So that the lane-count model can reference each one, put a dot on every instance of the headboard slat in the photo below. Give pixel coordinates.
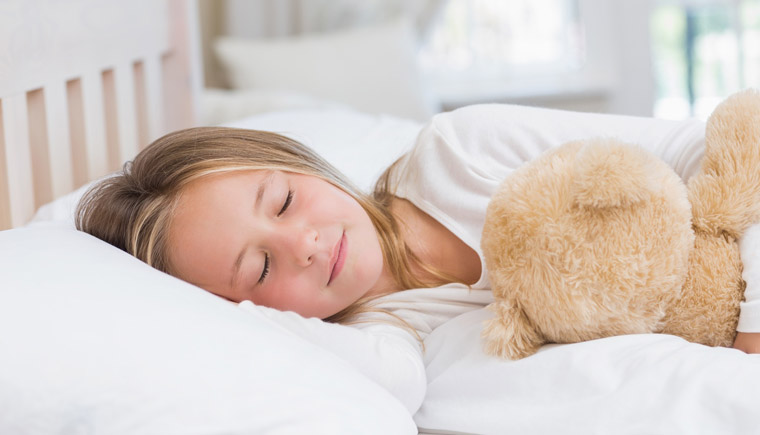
(18, 159)
(38, 144)
(5, 201)
(126, 111)
(154, 103)
(58, 140)
(140, 104)
(177, 78)
(94, 125)
(77, 137)
(111, 118)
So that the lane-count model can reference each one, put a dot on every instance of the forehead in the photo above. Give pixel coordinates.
(211, 198)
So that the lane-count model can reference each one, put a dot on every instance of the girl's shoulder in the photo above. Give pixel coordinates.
(494, 138)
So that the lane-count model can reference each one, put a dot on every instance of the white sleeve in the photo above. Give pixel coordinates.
(749, 245)
(501, 136)
(385, 353)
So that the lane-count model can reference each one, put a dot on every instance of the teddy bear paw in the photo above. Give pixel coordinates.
(510, 334)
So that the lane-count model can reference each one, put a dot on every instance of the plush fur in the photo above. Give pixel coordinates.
(599, 238)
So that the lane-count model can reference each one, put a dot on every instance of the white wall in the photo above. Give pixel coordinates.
(633, 88)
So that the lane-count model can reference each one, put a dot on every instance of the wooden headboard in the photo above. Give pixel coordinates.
(85, 84)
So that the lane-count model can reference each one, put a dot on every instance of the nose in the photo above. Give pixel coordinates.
(301, 244)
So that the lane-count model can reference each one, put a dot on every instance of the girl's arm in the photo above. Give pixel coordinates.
(748, 342)
(387, 354)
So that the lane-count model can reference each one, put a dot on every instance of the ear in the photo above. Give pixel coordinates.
(612, 174)
(510, 334)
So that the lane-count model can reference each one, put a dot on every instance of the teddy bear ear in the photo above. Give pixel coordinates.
(510, 334)
(609, 173)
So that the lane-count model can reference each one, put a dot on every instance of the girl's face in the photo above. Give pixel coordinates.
(283, 240)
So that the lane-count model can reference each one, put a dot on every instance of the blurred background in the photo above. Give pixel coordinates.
(671, 59)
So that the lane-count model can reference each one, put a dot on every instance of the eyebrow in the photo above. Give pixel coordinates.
(265, 183)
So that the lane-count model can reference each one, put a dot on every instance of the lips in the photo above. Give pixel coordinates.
(338, 257)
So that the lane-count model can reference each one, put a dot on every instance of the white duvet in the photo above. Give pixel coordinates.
(636, 384)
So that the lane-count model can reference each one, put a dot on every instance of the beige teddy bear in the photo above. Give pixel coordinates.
(598, 238)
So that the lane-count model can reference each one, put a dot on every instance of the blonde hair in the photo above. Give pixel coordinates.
(133, 209)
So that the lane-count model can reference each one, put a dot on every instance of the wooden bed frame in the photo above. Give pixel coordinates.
(84, 85)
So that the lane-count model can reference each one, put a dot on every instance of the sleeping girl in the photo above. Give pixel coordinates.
(255, 216)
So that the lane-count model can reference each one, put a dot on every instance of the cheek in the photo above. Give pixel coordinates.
(369, 262)
(291, 294)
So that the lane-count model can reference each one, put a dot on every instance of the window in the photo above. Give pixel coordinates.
(485, 44)
(495, 38)
(702, 52)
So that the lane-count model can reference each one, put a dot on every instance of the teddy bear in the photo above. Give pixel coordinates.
(599, 238)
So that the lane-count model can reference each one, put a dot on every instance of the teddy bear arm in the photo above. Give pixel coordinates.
(707, 311)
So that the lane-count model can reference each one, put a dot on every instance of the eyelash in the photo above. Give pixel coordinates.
(288, 200)
(264, 272)
(285, 206)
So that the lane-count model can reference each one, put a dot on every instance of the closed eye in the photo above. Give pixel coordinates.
(285, 206)
(264, 272)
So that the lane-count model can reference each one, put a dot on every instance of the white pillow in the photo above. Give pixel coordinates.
(633, 384)
(60, 212)
(94, 341)
(226, 105)
(372, 69)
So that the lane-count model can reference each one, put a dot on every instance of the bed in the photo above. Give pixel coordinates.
(94, 341)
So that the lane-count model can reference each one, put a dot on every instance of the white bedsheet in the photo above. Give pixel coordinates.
(636, 384)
